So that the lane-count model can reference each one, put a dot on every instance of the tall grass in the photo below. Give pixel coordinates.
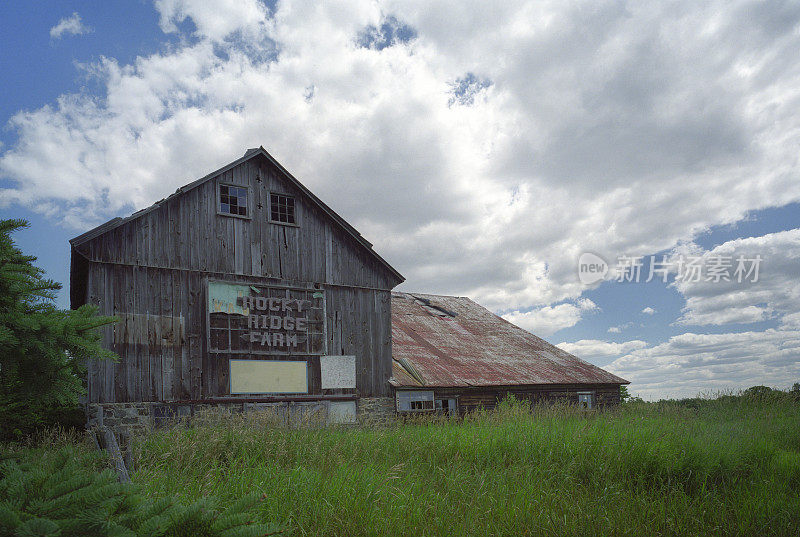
(729, 466)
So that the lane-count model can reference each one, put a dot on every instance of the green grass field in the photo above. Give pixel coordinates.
(729, 466)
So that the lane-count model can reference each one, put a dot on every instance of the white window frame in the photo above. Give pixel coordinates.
(591, 403)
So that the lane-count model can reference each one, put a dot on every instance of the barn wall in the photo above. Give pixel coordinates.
(152, 273)
(487, 398)
(162, 344)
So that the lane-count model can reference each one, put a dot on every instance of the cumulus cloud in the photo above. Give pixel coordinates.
(72, 25)
(548, 320)
(594, 350)
(648, 311)
(766, 287)
(481, 147)
(791, 321)
(689, 364)
(214, 20)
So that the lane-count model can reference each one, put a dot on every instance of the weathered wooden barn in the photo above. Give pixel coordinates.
(450, 354)
(244, 290)
(240, 289)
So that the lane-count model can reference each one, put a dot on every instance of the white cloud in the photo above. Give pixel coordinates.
(593, 349)
(593, 126)
(215, 20)
(71, 25)
(775, 293)
(547, 320)
(648, 311)
(619, 328)
(791, 321)
(689, 364)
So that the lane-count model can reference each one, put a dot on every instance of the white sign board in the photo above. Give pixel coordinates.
(268, 376)
(338, 372)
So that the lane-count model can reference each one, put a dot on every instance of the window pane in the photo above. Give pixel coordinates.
(233, 200)
(282, 208)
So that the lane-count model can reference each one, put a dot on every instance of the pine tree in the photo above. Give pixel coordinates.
(42, 349)
(63, 494)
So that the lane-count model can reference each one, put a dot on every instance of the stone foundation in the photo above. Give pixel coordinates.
(131, 419)
(376, 410)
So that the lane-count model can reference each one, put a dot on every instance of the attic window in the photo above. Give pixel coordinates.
(233, 200)
(281, 209)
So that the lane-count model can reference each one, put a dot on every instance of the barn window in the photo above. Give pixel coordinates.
(447, 406)
(415, 401)
(586, 400)
(233, 200)
(281, 209)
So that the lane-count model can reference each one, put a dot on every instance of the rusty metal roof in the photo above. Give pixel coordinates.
(448, 341)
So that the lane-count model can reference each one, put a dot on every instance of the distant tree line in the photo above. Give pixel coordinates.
(754, 392)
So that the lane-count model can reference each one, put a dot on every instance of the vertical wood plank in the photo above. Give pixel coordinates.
(184, 391)
(167, 334)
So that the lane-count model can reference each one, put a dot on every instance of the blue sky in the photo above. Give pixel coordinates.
(44, 68)
(622, 303)
(481, 148)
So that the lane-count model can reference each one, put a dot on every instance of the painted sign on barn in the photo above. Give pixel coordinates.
(265, 320)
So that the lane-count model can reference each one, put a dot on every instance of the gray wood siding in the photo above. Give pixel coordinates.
(152, 272)
(186, 232)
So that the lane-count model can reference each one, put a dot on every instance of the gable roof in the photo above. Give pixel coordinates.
(249, 154)
(447, 341)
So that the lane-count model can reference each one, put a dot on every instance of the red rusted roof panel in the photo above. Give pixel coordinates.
(477, 348)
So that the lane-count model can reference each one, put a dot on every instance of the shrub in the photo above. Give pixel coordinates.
(66, 492)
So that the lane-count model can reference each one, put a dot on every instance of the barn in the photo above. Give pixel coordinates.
(243, 290)
(450, 354)
(240, 290)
